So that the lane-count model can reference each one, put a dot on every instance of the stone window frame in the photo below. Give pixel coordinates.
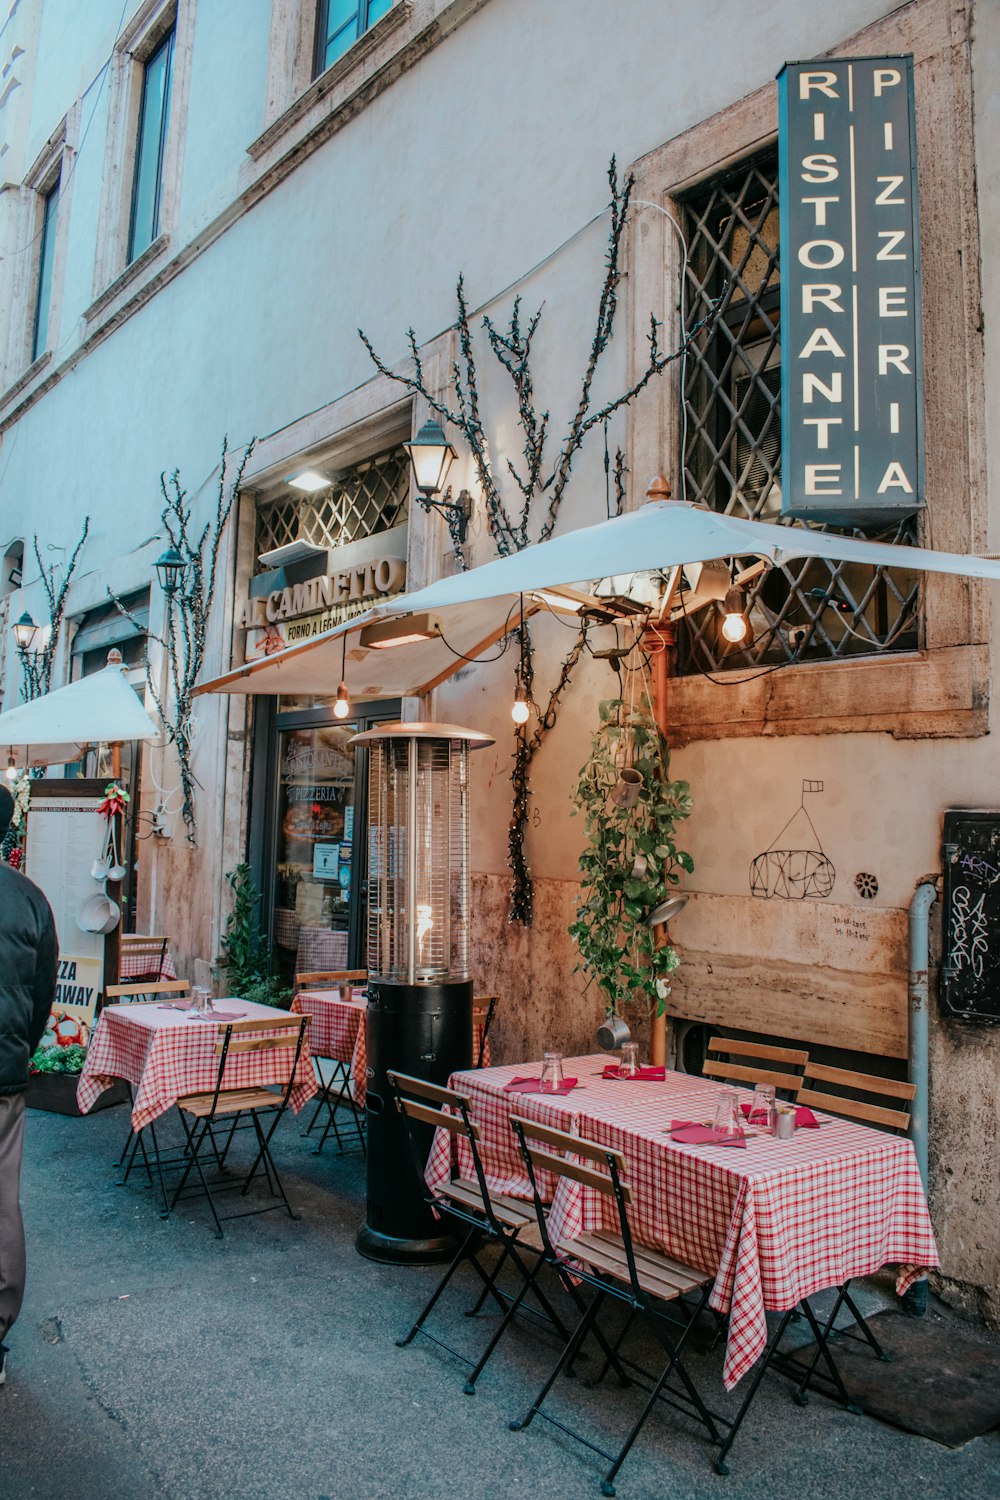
(54, 165)
(302, 111)
(114, 275)
(943, 689)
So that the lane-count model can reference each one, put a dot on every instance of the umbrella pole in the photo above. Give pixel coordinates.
(661, 642)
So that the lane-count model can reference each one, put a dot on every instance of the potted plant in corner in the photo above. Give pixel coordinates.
(631, 861)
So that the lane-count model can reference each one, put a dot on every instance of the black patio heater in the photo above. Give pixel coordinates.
(419, 1017)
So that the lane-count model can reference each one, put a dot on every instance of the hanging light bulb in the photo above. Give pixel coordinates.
(736, 626)
(11, 771)
(342, 702)
(519, 709)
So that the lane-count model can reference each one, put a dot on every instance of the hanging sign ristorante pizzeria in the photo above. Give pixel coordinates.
(851, 378)
(284, 607)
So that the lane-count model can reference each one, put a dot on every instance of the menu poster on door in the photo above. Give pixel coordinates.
(64, 837)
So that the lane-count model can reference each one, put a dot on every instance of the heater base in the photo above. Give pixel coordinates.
(392, 1250)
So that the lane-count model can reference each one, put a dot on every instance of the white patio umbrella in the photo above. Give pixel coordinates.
(475, 609)
(58, 727)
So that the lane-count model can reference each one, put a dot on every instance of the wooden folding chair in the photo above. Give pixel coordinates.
(881, 1103)
(143, 992)
(283, 1034)
(328, 979)
(138, 947)
(336, 1090)
(497, 1217)
(750, 1063)
(139, 990)
(483, 1007)
(645, 1280)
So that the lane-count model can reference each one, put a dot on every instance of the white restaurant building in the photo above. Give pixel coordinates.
(201, 201)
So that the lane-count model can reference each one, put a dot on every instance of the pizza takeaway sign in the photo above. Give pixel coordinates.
(851, 377)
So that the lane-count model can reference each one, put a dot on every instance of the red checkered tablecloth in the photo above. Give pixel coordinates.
(776, 1222)
(130, 965)
(164, 1055)
(338, 1031)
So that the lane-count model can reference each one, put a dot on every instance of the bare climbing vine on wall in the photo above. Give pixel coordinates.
(36, 666)
(188, 610)
(536, 487)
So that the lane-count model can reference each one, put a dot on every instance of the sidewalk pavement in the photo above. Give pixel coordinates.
(153, 1360)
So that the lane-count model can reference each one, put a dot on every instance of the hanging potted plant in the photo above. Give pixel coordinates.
(631, 861)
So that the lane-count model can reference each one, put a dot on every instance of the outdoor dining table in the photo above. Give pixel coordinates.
(136, 966)
(337, 1031)
(776, 1221)
(165, 1054)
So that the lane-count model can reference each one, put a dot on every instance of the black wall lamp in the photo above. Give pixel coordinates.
(432, 456)
(170, 567)
(25, 631)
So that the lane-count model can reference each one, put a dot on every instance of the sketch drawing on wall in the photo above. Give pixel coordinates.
(798, 870)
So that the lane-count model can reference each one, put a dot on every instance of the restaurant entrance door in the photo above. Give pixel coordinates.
(308, 849)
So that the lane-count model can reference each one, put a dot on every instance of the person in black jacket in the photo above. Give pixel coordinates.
(28, 951)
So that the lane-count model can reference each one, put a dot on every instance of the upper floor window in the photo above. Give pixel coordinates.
(339, 23)
(808, 609)
(154, 115)
(46, 258)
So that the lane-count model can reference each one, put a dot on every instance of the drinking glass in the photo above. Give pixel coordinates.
(628, 1065)
(762, 1110)
(552, 1072)
(727, 1113)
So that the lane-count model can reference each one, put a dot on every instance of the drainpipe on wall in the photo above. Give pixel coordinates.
(924, 898)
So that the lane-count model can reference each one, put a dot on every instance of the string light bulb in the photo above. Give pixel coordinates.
(342, 702)
(519, 709)
(11, 771)
(735, 626)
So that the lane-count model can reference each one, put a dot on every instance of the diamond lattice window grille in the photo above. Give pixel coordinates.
(368, 498)
(810, 609)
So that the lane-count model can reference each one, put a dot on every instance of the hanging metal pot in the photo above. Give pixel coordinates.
(625, 792)
(613, 1033)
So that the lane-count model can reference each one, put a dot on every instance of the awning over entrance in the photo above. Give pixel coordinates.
(477, 608)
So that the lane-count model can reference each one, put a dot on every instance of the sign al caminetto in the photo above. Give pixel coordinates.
(295, 611)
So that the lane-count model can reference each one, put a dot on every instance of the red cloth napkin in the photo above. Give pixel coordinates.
(176, 1005)
(691, 1134)
(649, 1072)
(225, 1014)
(803, 1116)
(534, 1086)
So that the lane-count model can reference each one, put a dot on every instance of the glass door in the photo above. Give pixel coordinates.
(311, 853)
(314, 847)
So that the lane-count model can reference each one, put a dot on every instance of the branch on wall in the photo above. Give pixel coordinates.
(539, 483)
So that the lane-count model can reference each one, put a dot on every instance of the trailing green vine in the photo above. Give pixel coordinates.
(631, 861)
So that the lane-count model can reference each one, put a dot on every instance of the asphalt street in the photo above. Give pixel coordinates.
(153, 1360)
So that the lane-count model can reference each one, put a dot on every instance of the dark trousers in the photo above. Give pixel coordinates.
(11, 1224)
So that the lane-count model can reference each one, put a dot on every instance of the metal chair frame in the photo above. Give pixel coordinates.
(341, 1075)
(285, 1032)
(483, 1007)
(600, 1168)
(499, 1219)
(134, 942)
(142, 992)
(887, 1115)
